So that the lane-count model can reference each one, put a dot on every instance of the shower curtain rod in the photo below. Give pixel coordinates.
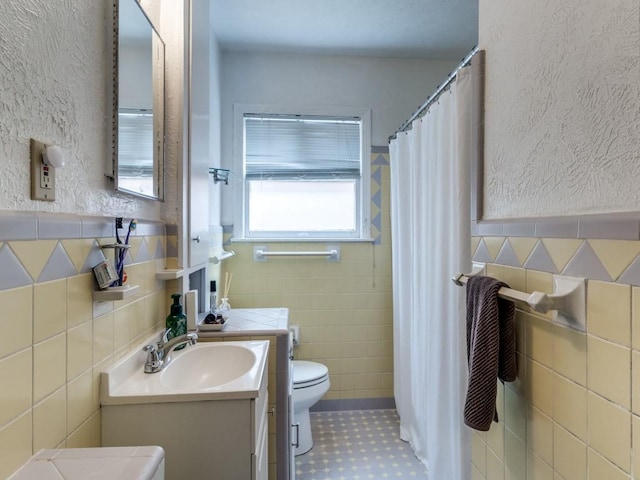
(450, 78)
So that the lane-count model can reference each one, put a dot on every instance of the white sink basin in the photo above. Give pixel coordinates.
(205, 371)
(205, 367)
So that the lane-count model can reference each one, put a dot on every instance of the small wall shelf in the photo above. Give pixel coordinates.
(170, 274)
(221, 257)
(115, 293)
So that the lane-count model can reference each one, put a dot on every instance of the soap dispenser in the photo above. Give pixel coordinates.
(177, 320)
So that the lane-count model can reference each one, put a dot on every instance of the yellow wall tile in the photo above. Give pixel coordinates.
(570, 406)
(610, 431)
(50, 420)
(49, 309)
(15, 444)
(635, 382)
(540, 387)
(538, 469)
(515, 456)
(16, 321)
(540, 434)
(80, 400)
(79, 349)
(15, 378)
(635, 424)
(609, 311)
(600, 467)
(609, 367)
(539, 339)
(495, 466)
(102, 338)
(569, 455)
(570, 354)
(49, 366)
(515, 413)
(635, 317)
(79, 299)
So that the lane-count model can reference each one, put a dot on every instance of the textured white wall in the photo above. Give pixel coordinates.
(55, 73)
(562, 106)
(392, 88)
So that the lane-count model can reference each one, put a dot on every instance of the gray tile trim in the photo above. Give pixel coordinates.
(379, 148)
(171, 229)
(18, 226)
(52, 226)
(57, 227)
(354, 404)
(605, 226)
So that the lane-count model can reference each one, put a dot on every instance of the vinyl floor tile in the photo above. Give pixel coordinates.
(358, 445)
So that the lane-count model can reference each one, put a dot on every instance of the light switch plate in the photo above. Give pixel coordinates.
(43, 177)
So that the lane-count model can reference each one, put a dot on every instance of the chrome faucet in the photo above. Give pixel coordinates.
(159, 355)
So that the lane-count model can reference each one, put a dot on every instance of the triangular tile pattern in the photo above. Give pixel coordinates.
(376, 175)
(541, 260)
(493, 244)
(561, 250)
(159, 251)
(585, 263)
(376, 199)
(13, 274)
(143, 253)
(482, 254)
(507, 256)
(381, 159)
(33, 255)
(59, 266)
(615, 255)
(95, 256)
(522, 247)
(78, 250)
(631, 276)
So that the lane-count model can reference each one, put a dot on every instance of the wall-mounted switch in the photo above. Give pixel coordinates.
(43, 176)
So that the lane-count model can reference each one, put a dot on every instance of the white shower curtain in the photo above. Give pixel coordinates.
(430, 219)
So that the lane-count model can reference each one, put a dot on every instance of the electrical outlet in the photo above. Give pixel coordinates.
(43, 177)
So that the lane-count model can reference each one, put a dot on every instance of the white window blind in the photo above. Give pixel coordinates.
(304, 147)
(135, 142)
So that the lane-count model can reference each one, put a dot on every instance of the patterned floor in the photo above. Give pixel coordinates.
(358, 445)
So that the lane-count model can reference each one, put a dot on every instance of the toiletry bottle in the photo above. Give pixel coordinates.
(213, 299)
(176, 321)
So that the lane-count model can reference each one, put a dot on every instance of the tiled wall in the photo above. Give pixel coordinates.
(54, 339)
(343, 309)
(573, 411)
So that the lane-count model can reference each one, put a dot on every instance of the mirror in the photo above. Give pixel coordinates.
(138, 103)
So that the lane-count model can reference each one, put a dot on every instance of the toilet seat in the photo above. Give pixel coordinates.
(307, 374)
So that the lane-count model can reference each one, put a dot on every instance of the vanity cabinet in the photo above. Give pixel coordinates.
(215, 439)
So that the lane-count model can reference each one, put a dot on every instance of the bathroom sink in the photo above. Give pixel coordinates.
(207, 367)
(205, 371)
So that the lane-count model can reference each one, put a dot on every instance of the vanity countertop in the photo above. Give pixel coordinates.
(251, 321)
(136, 463)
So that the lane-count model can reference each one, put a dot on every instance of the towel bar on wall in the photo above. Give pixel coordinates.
(261, 253)
(568, 300)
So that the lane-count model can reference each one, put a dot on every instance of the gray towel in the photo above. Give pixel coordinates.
(491, 349)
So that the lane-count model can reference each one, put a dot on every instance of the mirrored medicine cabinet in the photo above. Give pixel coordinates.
(138, 102)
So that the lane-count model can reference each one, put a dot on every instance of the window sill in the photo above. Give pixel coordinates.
(301, 240)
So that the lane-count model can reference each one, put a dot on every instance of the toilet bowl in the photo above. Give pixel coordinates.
(310, 383)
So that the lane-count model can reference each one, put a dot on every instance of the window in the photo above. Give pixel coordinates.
(302, 175)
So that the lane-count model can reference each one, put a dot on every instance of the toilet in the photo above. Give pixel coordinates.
(310, 383)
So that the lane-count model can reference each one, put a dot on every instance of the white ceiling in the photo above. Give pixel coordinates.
(436, 29)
